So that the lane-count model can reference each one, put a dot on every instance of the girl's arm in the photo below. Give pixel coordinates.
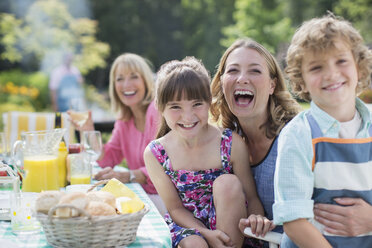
(242, 169)
(240, 162)
(305, 234)
(172, 201)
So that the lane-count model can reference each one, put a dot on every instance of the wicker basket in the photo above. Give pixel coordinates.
(90, 231)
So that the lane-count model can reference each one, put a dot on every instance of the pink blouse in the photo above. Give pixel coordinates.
(129, 143)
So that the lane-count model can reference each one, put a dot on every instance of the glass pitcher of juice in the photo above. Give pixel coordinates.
(36, 154)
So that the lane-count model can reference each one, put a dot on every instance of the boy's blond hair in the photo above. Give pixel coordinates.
(319, 35)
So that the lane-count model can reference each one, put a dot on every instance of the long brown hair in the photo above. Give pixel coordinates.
(281, 106)
(181, 79)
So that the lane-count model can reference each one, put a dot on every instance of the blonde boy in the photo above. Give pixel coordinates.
(325, 152)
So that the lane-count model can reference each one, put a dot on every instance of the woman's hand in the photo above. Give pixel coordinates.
(353, 218)
(259, 225)
(87, 126)
(108, 173)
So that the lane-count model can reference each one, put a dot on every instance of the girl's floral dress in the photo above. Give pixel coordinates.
(194, 188)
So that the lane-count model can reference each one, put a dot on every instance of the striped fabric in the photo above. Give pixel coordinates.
(342, 168)
(17, 122)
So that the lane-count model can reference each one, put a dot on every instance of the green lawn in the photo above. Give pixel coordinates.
(304, 105)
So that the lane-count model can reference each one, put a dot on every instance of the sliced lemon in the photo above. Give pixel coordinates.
(118, 189)
(128, 205)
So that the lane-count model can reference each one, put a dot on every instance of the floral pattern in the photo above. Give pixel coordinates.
(194, 188)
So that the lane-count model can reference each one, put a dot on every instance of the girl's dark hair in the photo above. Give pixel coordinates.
(177, 80)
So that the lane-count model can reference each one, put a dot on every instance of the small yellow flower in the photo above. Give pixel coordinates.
(34, 92)
(23, 90)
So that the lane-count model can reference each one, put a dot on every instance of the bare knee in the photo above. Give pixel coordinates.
(227, 186)
(193, 241)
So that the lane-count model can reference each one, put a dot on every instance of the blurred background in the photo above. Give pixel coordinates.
(34, 34)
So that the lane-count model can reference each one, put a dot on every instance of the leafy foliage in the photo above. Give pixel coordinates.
(263, 21)
(202, 21)
(360, 13)
(47, 32)
(29, 90)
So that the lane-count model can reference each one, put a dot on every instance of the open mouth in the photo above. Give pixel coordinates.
(129, 93)
(243, 97)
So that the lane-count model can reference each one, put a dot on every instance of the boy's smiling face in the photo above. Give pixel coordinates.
(331, 78)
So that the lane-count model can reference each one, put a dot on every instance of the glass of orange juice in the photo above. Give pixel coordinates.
(80, 171)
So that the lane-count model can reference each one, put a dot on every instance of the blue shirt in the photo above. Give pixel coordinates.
(263, 174)
(294, 180)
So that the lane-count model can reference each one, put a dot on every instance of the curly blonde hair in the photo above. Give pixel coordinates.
(134, 63)
(320, 35)
(281, 105)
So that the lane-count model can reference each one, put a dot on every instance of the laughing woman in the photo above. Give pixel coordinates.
(131, 96)
(251, 98)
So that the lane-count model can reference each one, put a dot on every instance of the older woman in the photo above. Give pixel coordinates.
(131, 94)
(250, 97)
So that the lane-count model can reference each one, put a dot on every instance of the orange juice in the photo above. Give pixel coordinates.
(82, 179)
(41, 173)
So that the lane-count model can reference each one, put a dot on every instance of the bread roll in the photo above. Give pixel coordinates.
(102, 196)
(46, 200)
(96, 208)
(76, 199)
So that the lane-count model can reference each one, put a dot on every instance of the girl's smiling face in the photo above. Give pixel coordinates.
(246, 83)
(187, 117)
(331, 78)
(129, 86)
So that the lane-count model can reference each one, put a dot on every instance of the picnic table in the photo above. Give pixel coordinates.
(152, 231)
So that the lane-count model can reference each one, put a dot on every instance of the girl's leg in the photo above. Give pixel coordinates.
(193, 241)
(229, 201)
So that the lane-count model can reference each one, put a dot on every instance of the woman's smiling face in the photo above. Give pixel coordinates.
(246, 83)
(129, 86)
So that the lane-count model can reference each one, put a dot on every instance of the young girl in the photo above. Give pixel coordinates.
(131, 94)
(190, 155)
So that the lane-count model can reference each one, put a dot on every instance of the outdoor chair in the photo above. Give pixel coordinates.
(273, 238)
(16, 122)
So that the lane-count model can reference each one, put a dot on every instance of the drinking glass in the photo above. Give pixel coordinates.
(3, 147)
(78, 111)
(23, 219)
(92, 145)
(80, 169)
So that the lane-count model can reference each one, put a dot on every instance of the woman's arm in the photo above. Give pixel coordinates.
(352, 218)
(123, 176)
(304, 234)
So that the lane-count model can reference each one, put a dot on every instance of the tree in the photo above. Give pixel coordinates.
(263, 21)
(202, 22)
(47, 32)
(359, 12)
